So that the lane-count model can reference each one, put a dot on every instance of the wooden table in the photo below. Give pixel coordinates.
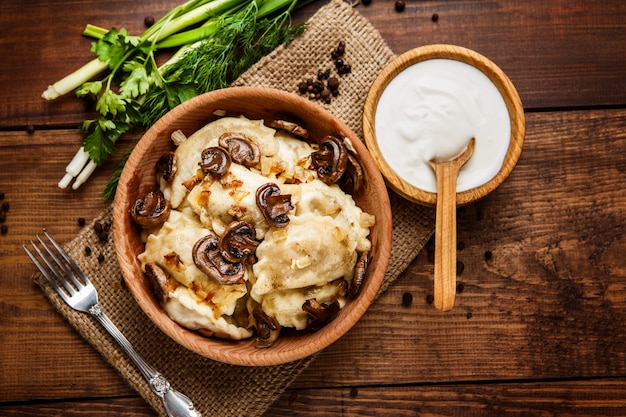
(539, 327)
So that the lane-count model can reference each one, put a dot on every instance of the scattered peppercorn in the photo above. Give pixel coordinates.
(102, 230)
(460, 287)
(469, 315)
(148, 21)
(333, 83)
(435, 17)
(400, 5)
(430, 299)
(326, 86)
(366, 2)
(30, 129)
(407, 299)
(87, 251)
(354, 391)
(460, 267)
(101, 258)
(3, 215)
(488, 255)
(81, 221)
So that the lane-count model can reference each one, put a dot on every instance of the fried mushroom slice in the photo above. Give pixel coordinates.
(238, 241)
(273, 205)
(158, 282)
(166, 166)
(241, 148)
(267, 327)
(215, 161)
(290, 127)
(151, 210)
(320, 313)
(330, 159)
(353, 177)
(360, 270)
(208, 258)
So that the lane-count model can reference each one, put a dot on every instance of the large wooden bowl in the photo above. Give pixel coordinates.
(254, 103)
(487, 67)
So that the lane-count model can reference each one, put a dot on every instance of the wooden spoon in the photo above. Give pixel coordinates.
(445, 227)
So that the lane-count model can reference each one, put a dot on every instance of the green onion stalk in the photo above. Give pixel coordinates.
(214, 41)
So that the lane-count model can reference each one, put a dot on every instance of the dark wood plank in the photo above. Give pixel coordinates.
(518, 399)
(568, 68)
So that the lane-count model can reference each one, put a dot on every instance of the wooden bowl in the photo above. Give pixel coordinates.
(254, 103)
(501, 82)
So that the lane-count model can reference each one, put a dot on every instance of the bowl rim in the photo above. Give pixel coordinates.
(478, 61)
(238, 352)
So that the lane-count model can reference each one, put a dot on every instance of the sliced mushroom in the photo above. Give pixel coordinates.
(238, 241)
(158, 281)
(360, 270)
(207, 257)
(330, 160)
(353, 177)
(267, 327)
(273, 204)
(166, 166)
(151, 210)
(320, 314)
(291, 127)
(215, 161)
(241, 148)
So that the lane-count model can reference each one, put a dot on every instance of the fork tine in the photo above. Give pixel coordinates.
(45, 271)
(67, 274)
(68, 259)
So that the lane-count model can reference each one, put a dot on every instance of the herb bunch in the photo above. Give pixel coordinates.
(217, 41)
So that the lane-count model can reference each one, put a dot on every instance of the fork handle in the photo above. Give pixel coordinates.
(176, 404)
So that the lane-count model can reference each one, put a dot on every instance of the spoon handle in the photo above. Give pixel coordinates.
(445, 238)
(445, 228)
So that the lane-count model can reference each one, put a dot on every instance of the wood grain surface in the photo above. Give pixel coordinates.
(538, 327)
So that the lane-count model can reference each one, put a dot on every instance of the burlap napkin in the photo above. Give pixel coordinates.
(219, 389)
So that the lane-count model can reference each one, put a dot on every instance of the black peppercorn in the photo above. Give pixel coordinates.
(101, 258)
(407, 299)
(87, 251)
(435, 17)
(400, 5)
(333, 83)
(148, 21)
(3, 216)
(81, 221)
(5, 206)
(4, 229)
(1, 196)
(30, 129)
(430, 299)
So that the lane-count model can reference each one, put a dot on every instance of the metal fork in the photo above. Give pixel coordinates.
(79, 293)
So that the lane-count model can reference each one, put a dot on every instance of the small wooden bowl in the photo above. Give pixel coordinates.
(254, 103)
(499, 79)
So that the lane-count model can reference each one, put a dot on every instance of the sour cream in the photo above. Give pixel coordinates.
(430, 111)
